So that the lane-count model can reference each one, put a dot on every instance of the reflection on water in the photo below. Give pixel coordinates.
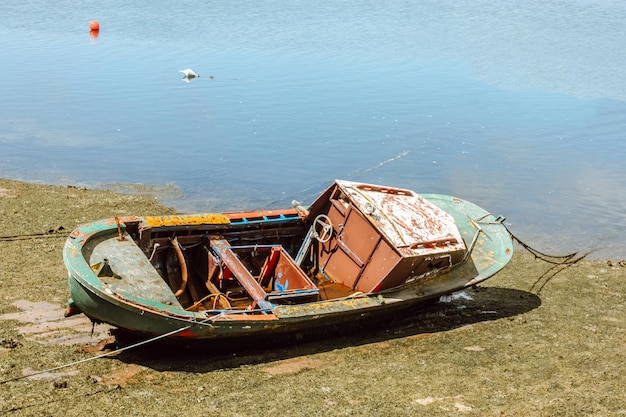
(499, 103)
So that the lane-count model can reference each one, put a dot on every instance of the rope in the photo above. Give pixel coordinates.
(59, 232)
(113, 352)
(208, 297)
(559, 262)
(568, 259)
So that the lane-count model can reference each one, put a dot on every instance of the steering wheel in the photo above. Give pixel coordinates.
(325, 227)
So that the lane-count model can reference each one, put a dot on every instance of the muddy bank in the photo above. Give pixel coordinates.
(530, 341)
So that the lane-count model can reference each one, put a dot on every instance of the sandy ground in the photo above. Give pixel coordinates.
(532, 341)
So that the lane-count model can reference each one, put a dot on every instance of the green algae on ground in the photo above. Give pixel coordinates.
(527, 342)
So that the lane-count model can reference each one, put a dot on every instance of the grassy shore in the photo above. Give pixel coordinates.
(532, 341)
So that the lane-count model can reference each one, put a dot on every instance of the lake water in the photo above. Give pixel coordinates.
(519, 107)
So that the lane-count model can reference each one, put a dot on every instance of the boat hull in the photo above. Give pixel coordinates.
(315, 319)
(489, 250)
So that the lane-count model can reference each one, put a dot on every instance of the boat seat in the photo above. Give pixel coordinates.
(245, 278)
(289, 283)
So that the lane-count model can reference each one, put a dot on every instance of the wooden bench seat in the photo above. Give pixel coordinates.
(287, 283)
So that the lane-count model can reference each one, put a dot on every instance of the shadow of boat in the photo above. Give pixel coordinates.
(472, 306)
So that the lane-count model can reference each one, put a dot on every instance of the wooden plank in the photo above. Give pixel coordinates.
(245, 278)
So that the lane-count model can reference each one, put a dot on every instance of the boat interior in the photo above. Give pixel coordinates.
(355, 239)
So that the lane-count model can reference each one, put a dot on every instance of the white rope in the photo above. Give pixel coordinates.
(113, 352)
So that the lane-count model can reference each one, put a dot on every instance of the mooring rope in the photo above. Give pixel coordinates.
(58, 232)
(569, 259)
(113, 352)
(559, 262)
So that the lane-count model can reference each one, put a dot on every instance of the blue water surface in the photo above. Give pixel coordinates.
(519, 107)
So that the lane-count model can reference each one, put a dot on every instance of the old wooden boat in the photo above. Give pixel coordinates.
(359, 251)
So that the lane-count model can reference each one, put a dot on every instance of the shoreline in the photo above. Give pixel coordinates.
(161, 194)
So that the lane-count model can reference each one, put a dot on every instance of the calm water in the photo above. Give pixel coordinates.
(517, 106)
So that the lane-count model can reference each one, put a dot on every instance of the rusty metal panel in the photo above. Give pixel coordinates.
(288, 276)
(406, 219)
(378, 269)
(337, 217)
(341, 268)
(359, 235)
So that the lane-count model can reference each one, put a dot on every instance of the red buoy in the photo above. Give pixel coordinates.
(94, 25)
